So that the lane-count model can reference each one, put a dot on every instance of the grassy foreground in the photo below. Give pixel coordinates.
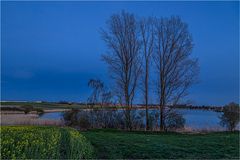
(116, 144)
(43, 143)
(26, 142)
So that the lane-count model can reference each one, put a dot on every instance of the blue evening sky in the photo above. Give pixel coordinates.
(49, 50)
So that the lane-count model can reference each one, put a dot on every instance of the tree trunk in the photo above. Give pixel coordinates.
(146, 97)
(128, 110)
(147, 119)
(161, 119)
(162, 105)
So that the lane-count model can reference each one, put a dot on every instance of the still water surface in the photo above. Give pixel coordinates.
(198, 119)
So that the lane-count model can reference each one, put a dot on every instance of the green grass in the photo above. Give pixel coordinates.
(43, 105)
(116, 144)
(31, 142)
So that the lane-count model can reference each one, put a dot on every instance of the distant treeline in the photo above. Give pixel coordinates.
(155, 106)
(108, 105)
(142, 106)
(214, 108)
(25, 108)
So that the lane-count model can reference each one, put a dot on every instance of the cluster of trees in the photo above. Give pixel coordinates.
(143, 50)
(139, 46)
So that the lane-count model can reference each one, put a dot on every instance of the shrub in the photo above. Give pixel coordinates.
(94, 119)
(71, 117)
(152, 120)
(27, 108)
(40, 111)
(174, 120)
(230, 116)
(77, 118)
(137, 119)
(83, 122)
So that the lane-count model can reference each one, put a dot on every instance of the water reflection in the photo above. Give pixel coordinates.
(197, 119)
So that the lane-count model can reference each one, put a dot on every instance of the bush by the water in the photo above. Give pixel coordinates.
(43, 143)
(27, 108)
(174, 120)
(94, 119)
(230, 116)
(116, 119)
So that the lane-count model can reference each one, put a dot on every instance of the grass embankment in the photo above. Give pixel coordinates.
(43, 143)
(54, 105)
(116, 144)
(42, 105)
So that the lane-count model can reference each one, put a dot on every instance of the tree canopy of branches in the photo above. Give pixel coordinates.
(230, 116)
(123, 59)
(133, 44)
(176, 70)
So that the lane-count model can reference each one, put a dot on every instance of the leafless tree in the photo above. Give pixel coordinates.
(123, 60)
(100, 94)
(97, 87)
(176, 70)
(147, 39)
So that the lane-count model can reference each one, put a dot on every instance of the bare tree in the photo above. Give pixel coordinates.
(176, 70)
(147, 39)
(100, 93)
(97, 87)
(123, 57)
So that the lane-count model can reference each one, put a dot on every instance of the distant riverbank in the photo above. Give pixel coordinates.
(55, 106)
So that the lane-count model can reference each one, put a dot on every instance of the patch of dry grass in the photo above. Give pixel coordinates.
(27, 119)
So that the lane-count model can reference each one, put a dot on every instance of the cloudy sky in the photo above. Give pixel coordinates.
(49, 50)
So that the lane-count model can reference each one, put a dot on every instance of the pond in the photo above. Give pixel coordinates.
(200, 119)
(197, 119)
(52, 115)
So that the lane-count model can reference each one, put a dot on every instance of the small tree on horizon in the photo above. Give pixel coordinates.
(230, 116)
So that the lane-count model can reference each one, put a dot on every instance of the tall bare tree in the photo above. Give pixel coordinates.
(176, 70)
(122, 40)
(147, 39)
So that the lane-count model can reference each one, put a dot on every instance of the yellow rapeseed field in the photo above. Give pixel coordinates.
(31, 142)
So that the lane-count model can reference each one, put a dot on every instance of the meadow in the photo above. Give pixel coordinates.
(114, 144)
(34, 142)
(29, 142)
(58, 142)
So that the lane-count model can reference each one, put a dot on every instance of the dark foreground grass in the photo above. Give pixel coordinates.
(115, 144)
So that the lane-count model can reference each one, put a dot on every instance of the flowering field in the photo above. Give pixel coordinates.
(29, 142)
